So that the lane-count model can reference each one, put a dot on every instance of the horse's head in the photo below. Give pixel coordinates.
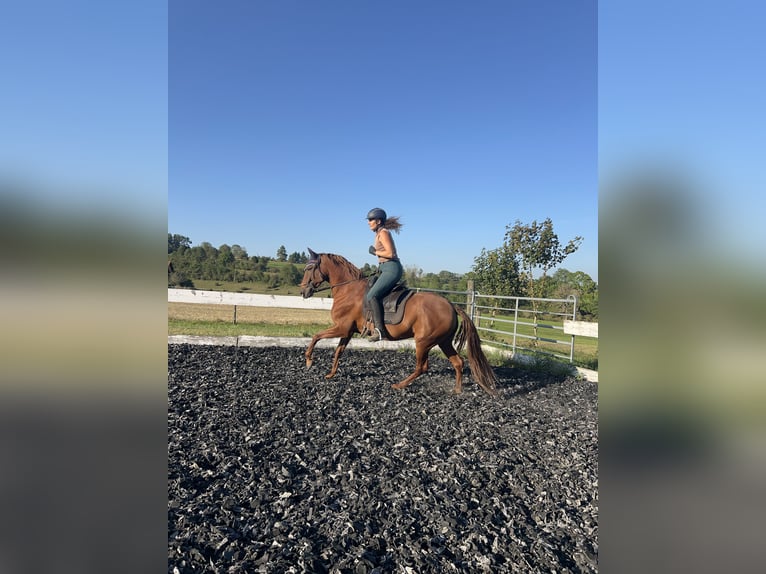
(313, 276)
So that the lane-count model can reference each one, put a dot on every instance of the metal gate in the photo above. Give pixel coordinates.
(532, 324)
(528, 324)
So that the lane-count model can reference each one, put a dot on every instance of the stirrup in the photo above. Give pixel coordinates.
(375, 335)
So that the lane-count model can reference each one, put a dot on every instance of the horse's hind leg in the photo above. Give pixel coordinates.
(421, 365)
(457, 363)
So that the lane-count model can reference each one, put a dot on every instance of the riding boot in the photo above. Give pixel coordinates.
(379, 333)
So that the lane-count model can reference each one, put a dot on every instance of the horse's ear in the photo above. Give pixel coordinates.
(312, 254)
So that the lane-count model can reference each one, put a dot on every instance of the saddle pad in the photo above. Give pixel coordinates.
(393, 305)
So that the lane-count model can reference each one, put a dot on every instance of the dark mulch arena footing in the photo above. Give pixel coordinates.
(271, 468)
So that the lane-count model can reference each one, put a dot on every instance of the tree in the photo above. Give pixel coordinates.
(260, 263)
(579, 284)
(175, 242)
(274, 281)
(290, 275)
(196, 261)
(537, 247)
(368, 270)
(225, 262)
(497, 272)
(412, 275)
(282, 253)
(210, 251)
(238, 252)
(296, 257)
(240, 261)
(179, 279)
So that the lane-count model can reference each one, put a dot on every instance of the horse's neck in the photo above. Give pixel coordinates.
(339, 272)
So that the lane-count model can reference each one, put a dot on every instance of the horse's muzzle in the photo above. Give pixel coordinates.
(307, 291)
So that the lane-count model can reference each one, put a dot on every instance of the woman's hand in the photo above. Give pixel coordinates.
(372, 250)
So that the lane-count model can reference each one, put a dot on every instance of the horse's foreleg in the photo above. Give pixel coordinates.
(309, 354)
(336, 358)
(421, 365)
(334, 331)
(310, 350)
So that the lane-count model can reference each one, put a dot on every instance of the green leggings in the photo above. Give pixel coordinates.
(390, 273)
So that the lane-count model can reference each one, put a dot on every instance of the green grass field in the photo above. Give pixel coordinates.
(248, 287)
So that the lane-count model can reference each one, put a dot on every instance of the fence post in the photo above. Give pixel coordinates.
(471, 301)
(515, 324)
(574, 318)
(235, 314)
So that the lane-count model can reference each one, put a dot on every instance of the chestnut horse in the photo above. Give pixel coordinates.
(428, 318)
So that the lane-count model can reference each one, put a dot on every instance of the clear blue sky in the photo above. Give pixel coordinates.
(289, 120)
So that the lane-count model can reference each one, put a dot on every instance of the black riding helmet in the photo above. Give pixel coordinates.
(377, 213)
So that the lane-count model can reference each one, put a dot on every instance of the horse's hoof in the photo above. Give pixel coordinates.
(398, 386)
(309, 362)
(329, 376)
(456, 392)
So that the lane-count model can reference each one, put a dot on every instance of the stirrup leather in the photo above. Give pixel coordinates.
(369, 326)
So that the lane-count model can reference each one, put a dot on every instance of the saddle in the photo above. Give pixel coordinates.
(393, 303)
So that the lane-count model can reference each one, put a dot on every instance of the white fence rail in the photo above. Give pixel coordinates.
(247, 299)
(581, 328)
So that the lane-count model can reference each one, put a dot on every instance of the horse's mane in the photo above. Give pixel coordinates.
(339, 261)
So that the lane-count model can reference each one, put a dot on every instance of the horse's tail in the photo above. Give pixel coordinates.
(480, 367)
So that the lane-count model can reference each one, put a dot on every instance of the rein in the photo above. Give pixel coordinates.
(342, 283)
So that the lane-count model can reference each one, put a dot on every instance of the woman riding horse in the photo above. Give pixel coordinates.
(428, 318)
(390, 268)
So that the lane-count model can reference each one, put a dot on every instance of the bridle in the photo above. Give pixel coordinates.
(310, 266)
